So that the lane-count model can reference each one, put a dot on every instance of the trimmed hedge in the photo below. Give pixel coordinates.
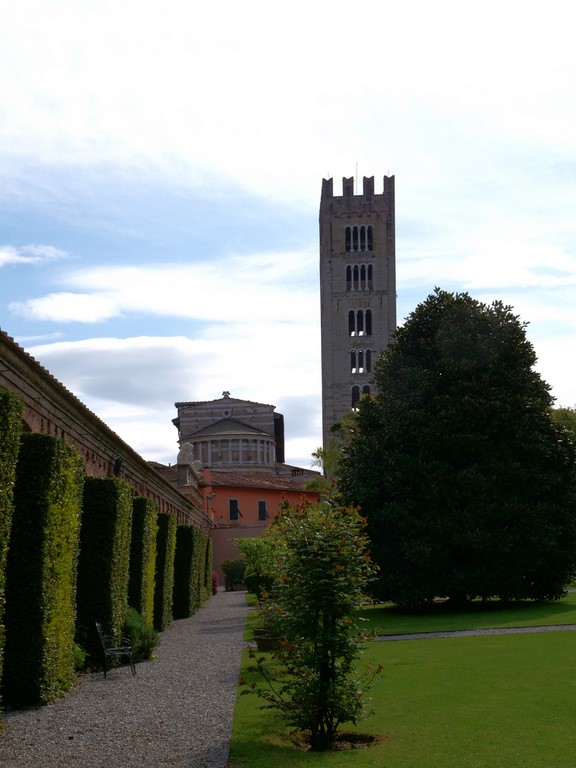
(185, 575)
(104, 564)
(10, 430)
(208, 576)
(190, 577)
(165, 551)
(41, 571)
(143, 558)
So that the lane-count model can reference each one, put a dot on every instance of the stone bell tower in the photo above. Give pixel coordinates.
(357, 291)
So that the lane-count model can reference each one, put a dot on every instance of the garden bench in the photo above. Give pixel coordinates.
(109, 649)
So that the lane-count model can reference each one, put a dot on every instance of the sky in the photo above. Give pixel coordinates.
(161, 164)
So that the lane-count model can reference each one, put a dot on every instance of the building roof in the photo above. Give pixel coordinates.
(292, 479)
(225, 399)
(272, 482)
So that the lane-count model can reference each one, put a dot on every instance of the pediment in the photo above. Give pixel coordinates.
(227, 427)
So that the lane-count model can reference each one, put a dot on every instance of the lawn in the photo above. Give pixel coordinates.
(472, 702)
(389, 620)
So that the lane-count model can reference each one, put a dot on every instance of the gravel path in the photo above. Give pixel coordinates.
(177, 711)
(476, 632)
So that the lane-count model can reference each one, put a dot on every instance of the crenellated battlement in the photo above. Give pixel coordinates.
(348, 187)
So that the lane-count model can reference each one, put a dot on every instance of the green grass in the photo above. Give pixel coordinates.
(475, 702)
(390, 620)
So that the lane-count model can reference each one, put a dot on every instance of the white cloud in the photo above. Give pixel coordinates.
(29, 254)
(258, 287)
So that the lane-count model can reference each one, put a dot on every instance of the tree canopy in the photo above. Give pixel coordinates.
(467, 482)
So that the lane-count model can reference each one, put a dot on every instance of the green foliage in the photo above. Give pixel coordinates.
(143, 557)
(322, 574)
(566, 419)
(144, 638)
(41, 571)
(190, 588)
(104, 564)
(260, 556)
(165, 551)
(208, 586)
(10, 430)
(467, 484)
(80, 657)
(233, 572)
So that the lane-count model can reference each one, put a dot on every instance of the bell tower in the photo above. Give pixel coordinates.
(357, 291)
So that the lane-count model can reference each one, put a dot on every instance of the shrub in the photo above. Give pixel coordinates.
(190, 588)
(41, 571)
(10, 429)
(143, 557)
(103, 570)
(233, 572)
(260, 557)
(80, 657)
(165, 551)
(144, 638)
(185, 591)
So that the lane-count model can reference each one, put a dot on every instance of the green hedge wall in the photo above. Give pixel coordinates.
(185, 574)
(203, 566)
(143, 558)
(41, 571)
(10, 430)
(165, 551)
(104, 564)
(190, 578)
(209, 556)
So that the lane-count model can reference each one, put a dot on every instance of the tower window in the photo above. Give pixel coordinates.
(355, 395)
(358, 237)
(262, 513)
(359, 277)
(360, 322)
(361, 361)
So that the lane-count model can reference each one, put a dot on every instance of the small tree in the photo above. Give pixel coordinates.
(321, 575)
(260, 557)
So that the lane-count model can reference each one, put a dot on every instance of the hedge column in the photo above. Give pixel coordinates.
(41, 572)
(143, 558)
(103, 570)
(10, 429)
(165, 550)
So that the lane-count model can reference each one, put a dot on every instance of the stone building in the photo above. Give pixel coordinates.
(228, 433)
(236, 449)
(357, 290)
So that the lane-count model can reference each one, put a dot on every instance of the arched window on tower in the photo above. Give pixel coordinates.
(352, 323)
(359, 277)
(360, 322)
(358, 237)
(368, 327)
(355, 395)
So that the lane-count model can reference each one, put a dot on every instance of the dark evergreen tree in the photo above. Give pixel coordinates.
(467, 482)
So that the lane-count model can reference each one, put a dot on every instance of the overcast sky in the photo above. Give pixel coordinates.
(161, 165)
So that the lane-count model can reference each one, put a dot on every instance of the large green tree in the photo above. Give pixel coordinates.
(467, 482)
